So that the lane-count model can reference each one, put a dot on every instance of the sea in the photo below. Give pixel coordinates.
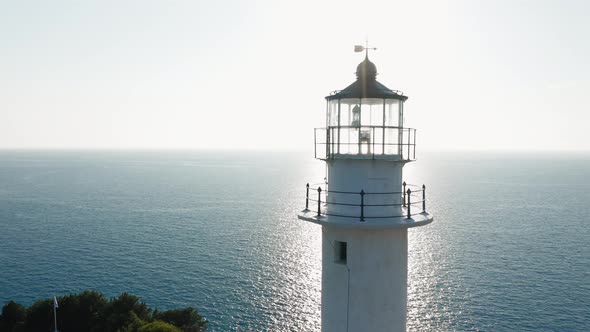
(509, 249)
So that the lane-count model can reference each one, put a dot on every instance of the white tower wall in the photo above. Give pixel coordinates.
(369, 291)
(372, 176)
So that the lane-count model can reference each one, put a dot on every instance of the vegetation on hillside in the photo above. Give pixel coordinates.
(93, 312)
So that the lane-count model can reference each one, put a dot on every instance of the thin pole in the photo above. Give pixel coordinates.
(359, 125)
(409, 204)
(54, 317)
(327, 129)
(315, 144)
(400, 129)
(362, 205)
(338, 147)
(319, 201)
(307, 197)
(332, 140)
(373, 139)
(408, 145)
(414, 144)
(383, 133)
(404, 198)
(423, 198)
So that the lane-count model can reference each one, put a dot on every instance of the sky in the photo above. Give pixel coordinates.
(480, 75)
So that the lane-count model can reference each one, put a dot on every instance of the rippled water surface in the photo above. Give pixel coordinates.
(509, 249)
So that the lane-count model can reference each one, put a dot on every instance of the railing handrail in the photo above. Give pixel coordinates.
(366, 141)
(366, 126)
(399, 92)
(407, 202)
(315, 186)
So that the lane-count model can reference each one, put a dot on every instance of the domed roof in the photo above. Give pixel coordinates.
(366, 85)
(366, 69)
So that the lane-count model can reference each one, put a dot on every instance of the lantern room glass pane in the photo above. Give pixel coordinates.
(377, 114)
(392, 113)
(345, 114)
(350, 112)
(332, 113)
(392, 144)
(371, 112)
(356, 112)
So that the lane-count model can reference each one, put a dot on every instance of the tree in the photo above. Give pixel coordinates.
(90, 311)
(188, 319)
(134, 325)
(81, 312)
(159, 326)
(13, 316)
(119, 312)
(40, 316)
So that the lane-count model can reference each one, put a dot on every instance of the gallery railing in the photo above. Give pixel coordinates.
(374, 142)
(411, 200)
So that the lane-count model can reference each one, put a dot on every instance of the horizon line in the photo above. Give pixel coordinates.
(286, 149)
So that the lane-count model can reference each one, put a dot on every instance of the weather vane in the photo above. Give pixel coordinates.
(366, 48)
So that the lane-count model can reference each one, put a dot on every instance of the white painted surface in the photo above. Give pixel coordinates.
(420, 219)
(369, 293)
(372, 176)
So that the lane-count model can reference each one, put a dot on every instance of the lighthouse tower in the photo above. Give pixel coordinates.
(365, 208)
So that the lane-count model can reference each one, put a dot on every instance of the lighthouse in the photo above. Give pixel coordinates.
(364, 206)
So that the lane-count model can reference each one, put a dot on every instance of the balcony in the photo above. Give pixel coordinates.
(365, 142)
(406, 208)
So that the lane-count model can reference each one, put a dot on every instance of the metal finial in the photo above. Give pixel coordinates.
(366, 48)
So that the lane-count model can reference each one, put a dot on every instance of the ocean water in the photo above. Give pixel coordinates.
(509, 249)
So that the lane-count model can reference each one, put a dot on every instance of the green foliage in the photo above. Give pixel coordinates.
(159, 326)
(123, 310)
(188, 319)
(13, 317)
(90, 311)
(40, 316)
(134, 325)
(81, 312)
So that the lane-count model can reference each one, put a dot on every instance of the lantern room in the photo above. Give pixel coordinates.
(365, 121)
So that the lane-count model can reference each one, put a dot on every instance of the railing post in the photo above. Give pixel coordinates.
(409, 203)
(414, 145)
(328, 142)
(373, 141)
(404, 191)
(409, 132)
(362, 205)
(315, 144)
(307, 196)
(319, 201)
(383, 131)
(424, 198)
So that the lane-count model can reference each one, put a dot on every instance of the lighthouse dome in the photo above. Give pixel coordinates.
(366, 70)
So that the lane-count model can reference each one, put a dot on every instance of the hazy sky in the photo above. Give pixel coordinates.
(254, 74)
